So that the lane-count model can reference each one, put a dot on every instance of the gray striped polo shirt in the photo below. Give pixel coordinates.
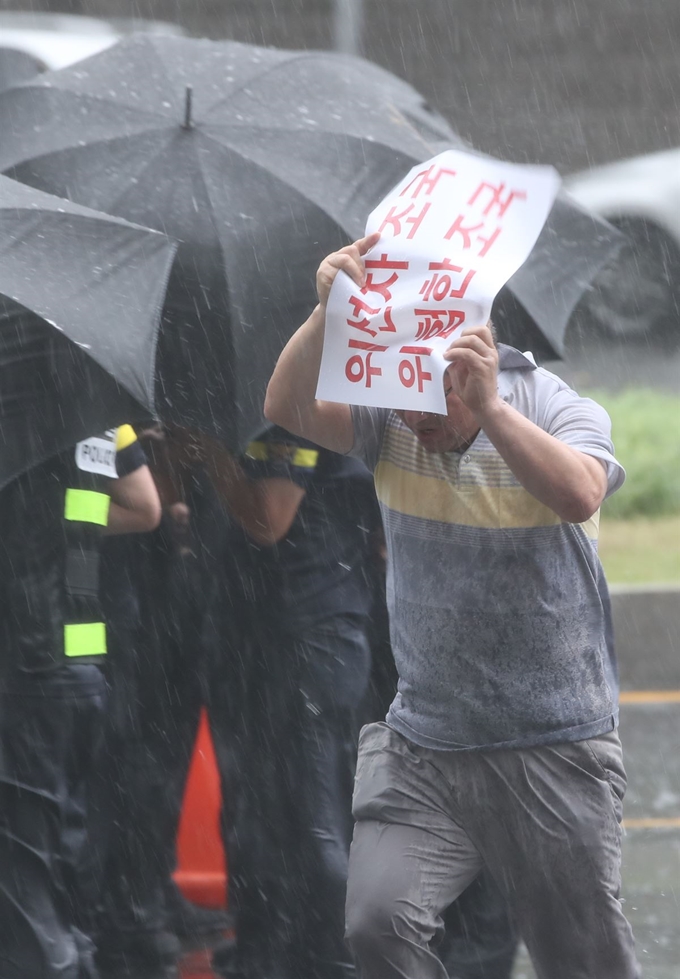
(499, 610)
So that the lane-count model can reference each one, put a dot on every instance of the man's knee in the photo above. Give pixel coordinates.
(376, 919)
(369, 923)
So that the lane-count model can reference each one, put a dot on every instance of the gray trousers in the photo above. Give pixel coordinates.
(545, 822)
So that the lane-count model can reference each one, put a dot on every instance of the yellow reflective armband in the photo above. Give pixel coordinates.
(85, 639)
(87, 506)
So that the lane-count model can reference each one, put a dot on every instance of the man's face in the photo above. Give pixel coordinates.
(443, 433)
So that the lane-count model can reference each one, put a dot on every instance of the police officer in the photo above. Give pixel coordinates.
(157, 596)
(307, 515)
(52, 692)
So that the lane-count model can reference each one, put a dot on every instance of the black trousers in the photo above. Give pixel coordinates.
(157, 687)
(480, 941)
(50, 742)
(284, 723)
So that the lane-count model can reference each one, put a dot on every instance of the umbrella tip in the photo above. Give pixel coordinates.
(188, 124)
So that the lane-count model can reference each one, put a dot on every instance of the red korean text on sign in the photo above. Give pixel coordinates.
(395, 217)
(495, 196)
(411, 370)
(376, 269)
(426, 181)
(443, 285)
(359, 367)
(382, 285)
(368, 313)
(437, 322)
(467, 231)
(362, 313)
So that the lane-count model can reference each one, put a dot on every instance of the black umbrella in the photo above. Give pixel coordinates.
(259, 161)
(268, 161)
(534, 309)
(80, 300)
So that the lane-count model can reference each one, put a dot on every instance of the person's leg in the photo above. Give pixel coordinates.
(323, 755)
(332, 656)
(480, 941)
(36, 937)
(249, 719)
(409, 860)
(81, 828)
(83, 817)
(547, 823)
(133, 923)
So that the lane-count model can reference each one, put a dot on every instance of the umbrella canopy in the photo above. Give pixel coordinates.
(80, 301)
(273, 159)
(534, 308)
(259, 162)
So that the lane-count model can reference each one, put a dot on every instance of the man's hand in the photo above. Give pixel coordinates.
(350, 260)
(473, 373)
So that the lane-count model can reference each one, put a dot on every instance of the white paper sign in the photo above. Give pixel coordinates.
(452, 233)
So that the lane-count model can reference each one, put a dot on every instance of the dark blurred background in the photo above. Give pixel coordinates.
(568, 82)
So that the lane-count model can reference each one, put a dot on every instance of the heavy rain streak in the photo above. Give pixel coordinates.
(301, 678)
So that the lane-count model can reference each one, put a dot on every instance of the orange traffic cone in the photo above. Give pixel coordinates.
(201, 863)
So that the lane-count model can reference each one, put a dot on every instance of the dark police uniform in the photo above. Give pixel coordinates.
(302, 674)
(158, 674)
(52, 693)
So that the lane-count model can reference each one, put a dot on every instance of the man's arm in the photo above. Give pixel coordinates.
(572, 483)
(291, 396)
(265, 508)
(135, 505)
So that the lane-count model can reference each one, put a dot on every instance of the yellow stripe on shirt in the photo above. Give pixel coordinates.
(487, 507)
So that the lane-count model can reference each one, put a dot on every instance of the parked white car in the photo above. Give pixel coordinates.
(638, 296)
(58, 40)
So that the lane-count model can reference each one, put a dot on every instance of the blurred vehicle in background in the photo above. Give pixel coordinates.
(637, 297)
(17, 66)
(58, 40)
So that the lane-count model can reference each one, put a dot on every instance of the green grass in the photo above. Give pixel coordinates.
(641, 552)
(646, 434)
(640, 529)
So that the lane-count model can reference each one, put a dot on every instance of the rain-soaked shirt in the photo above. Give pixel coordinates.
(320, 564)
(499, 612)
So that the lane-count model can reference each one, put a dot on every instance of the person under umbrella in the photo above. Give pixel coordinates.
(53, 692)
(79, 303)
(80, 297)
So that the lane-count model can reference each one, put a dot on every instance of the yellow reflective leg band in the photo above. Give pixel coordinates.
(85, 639)
(87, 506)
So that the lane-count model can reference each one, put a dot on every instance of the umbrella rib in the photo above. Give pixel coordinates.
(408, 162)
(310, 56)
(112, 204)
(300, 56)
(206, 188)
(95, 100)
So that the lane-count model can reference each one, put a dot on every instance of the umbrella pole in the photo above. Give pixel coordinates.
(347, 28)
(188, 124)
